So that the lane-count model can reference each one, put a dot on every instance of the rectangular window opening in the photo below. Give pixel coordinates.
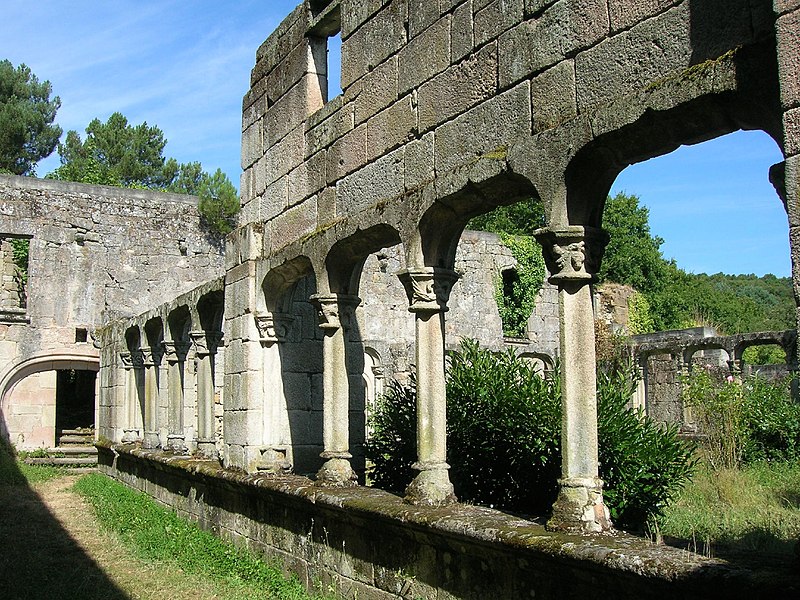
(81, 335)
(14, 251)
(325, 36)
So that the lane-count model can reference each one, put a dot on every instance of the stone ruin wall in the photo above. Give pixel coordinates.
(96, 253)
(382, 340)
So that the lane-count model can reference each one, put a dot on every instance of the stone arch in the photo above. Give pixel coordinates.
(279, 280)
(669, 114)
(46, 361)
(57, 360)
(434, 242)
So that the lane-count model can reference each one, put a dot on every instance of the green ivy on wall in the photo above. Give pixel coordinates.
(515, 290)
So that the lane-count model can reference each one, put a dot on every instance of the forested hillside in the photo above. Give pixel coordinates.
(674, 299)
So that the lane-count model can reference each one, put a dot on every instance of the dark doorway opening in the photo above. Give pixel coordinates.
(75, 391)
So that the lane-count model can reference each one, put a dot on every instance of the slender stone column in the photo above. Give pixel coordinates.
(151, 363)
(175, 354)
(273, 329)
(573, 257)
(205, 348)
(131, 431)
(335, 313)
(428, 291)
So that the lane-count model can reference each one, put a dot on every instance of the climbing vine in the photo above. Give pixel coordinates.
(640, 318)
(516, 290)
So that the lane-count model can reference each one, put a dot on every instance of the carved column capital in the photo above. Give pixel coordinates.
(151, 356)
(335, 310)
(428, 288)
(126, 360)
(175, 352)
(205, 342)
(273, 328)
(572, 253)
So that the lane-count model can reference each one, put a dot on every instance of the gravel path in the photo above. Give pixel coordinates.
(51, 547)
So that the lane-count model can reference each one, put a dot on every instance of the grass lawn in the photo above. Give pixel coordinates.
(754, 509)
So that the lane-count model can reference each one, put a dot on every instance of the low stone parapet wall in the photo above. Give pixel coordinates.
(369, 544)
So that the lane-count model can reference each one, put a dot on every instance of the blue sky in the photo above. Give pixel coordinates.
(184, 66)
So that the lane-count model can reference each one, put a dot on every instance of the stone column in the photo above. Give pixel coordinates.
(151, 364)
(175, 354)
(205, 348)
(335, 313)
(428, 290)
(273, 329)
(130, 362)
(573, 257)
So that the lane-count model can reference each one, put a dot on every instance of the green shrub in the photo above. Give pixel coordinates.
(504, 439)
(772, 419)
(643, 463)
(743, 421)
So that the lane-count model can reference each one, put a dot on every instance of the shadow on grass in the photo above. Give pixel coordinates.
(39, 558)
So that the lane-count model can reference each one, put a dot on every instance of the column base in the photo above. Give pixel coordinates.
(176, 443)
(150, 441)
(336, 472)
(579, 507)
(130, 436)
(207, 448)
(273, 461)
(431, 487)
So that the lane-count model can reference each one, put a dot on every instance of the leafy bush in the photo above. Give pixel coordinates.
(504, 439)
(642, 463)
(743, 421)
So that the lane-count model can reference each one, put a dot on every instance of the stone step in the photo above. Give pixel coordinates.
(91, 450)
(78, 431)
(79, 440)
(63, 461)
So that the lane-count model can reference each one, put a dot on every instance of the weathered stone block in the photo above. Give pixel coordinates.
(297, 387)
(553, 96)
(791, 132)
(495, 18)
(462, 33)
(374, 42)
(459, 88)
(421, 14)
(356, 12)
(293, 224)
(784, 6)
(391, 127)
(347, 154)
(630, 60)
(560, 31)
(424, 56)
(307, 179)
(284, 156)
(467, 137)
(378, 181)
(419, 162)
(325, 133)
(326, 206)
(624, 14)
(252, 144)
(788, 40)
(292, 109)
(791, 185)
(275, 199)
(375, 91)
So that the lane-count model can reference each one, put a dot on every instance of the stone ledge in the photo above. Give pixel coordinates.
(666, 569)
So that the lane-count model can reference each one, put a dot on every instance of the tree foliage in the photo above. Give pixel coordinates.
(118, 153)
(27, 112)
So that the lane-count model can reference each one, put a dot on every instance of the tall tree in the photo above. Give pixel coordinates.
(128, 155)
(27, 112)
(633, 255)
